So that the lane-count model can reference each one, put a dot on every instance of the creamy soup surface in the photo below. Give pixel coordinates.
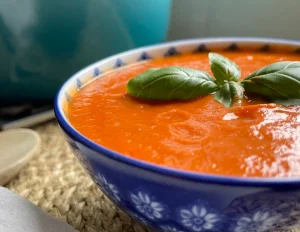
(253, 138)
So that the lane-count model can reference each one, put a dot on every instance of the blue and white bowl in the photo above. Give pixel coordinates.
(173, 200)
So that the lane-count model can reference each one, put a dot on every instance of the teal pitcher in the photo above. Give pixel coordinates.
(43, 42)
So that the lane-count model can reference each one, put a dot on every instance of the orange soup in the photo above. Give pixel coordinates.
(253, 138)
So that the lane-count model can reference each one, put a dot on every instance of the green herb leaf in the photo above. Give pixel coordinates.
(287, 102)
(280, 80)
(260, 89)
(275, 67)
(171, 83)
(228, 92)
(237, 89)
(223, 68)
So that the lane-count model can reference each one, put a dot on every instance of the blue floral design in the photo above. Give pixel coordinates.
(147, 205)
(172, 52)
(79, 84)
(264, 201)
(144, 56)
(265, 48)
(68, 98)
(258, 222)
(80, 157)
(119, 63)
(232, 47)
(256, 206)
(198, 217)
(201, 48)
(97, 72)
(109, 188)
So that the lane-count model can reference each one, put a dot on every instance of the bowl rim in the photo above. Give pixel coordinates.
(273, 182)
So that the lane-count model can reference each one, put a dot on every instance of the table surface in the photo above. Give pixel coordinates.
(55, 181)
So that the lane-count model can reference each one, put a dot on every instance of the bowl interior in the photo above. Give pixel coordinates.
(99, 69)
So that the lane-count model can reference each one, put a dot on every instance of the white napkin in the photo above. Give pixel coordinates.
(20, 215)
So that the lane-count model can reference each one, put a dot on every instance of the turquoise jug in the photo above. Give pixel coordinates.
(43, 42)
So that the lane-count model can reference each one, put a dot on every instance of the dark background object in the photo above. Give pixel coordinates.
(24, 114)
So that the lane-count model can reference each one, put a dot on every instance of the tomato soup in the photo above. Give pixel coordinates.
(253, 138)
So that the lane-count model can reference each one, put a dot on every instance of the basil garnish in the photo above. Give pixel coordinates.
(171, 83)
(223, 68)
(279, 82)
(228, 92)
(287, 102)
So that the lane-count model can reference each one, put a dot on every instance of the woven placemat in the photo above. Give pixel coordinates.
(55, 181)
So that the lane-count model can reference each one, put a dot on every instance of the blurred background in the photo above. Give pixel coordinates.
(214, 18)
(42, 43)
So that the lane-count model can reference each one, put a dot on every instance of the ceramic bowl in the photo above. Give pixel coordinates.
(172, 200)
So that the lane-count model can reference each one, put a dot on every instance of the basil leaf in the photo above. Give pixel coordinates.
(260, 89)
(237, 89)
(275, 67)
(223, 95)
(223, 68)
(287, 102)
(278, 80)
(171, 83)
(228, 92)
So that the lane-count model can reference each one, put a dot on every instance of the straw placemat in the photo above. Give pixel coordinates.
(55, 181)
